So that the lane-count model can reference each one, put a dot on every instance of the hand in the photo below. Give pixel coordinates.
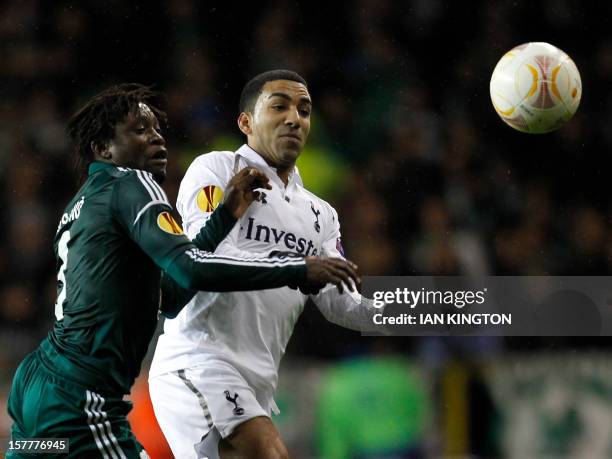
(337, 271)
(240, 191)
(306, 289)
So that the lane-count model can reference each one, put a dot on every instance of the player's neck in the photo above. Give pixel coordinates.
(283, 173)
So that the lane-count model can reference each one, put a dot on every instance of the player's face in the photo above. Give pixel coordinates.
(138, 144)
(281, 122)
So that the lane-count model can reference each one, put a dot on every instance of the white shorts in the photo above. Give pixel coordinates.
(198, 406)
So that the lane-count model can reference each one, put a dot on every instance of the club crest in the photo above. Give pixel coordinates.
(238, 410)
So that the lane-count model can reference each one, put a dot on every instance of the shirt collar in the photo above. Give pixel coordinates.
(256, 160)
(252, 156)
(98, 166)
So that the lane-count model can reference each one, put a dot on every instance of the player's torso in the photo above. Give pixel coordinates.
(282, 220)
(250, 329)
(108, 289)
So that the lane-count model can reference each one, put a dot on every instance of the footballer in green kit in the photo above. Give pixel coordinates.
(118, 249)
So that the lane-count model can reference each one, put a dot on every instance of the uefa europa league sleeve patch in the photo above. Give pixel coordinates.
(167, 223)
(209, 198)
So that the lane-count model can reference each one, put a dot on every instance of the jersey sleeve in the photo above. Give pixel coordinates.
(173, 297)
(332, 244)
(348, 309)
(201, 191)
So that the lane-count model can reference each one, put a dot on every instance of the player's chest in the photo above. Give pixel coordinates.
(286, 221)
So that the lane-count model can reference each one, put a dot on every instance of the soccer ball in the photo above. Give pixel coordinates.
(535, 88)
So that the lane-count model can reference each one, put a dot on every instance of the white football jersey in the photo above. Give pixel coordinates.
(250, 330)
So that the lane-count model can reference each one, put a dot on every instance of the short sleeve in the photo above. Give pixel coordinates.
(201, 191)
(332, 244)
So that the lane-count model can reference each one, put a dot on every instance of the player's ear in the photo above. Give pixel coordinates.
(244, 123)
(101, 149)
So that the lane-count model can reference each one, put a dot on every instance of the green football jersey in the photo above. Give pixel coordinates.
(113, 240)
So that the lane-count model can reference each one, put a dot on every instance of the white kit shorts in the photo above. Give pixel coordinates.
(197, 406)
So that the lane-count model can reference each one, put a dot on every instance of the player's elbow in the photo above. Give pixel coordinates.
(188, 281)
(182, 275)
(169, 314)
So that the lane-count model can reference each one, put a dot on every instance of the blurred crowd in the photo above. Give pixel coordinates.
(405, 143)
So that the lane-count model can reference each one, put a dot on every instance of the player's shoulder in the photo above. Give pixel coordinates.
(137, 184)
(320, 202)
(132, 177)
(316, 199)
(209, 169)
(216, 161)
(215, 157)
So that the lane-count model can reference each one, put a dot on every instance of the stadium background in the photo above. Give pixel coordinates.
(405, 144)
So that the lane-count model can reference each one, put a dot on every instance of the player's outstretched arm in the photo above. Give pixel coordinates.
(199, 270)
(180, 282)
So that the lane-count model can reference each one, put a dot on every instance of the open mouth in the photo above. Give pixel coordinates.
(161, 155)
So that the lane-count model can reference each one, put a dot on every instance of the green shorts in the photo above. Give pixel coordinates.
(44, 405)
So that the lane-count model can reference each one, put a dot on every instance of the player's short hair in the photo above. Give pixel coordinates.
(252, 89)
(94, 123)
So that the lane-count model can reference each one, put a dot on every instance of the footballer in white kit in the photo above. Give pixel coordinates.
(216, 364)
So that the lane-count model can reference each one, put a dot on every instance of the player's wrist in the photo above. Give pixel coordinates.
(301, 275)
